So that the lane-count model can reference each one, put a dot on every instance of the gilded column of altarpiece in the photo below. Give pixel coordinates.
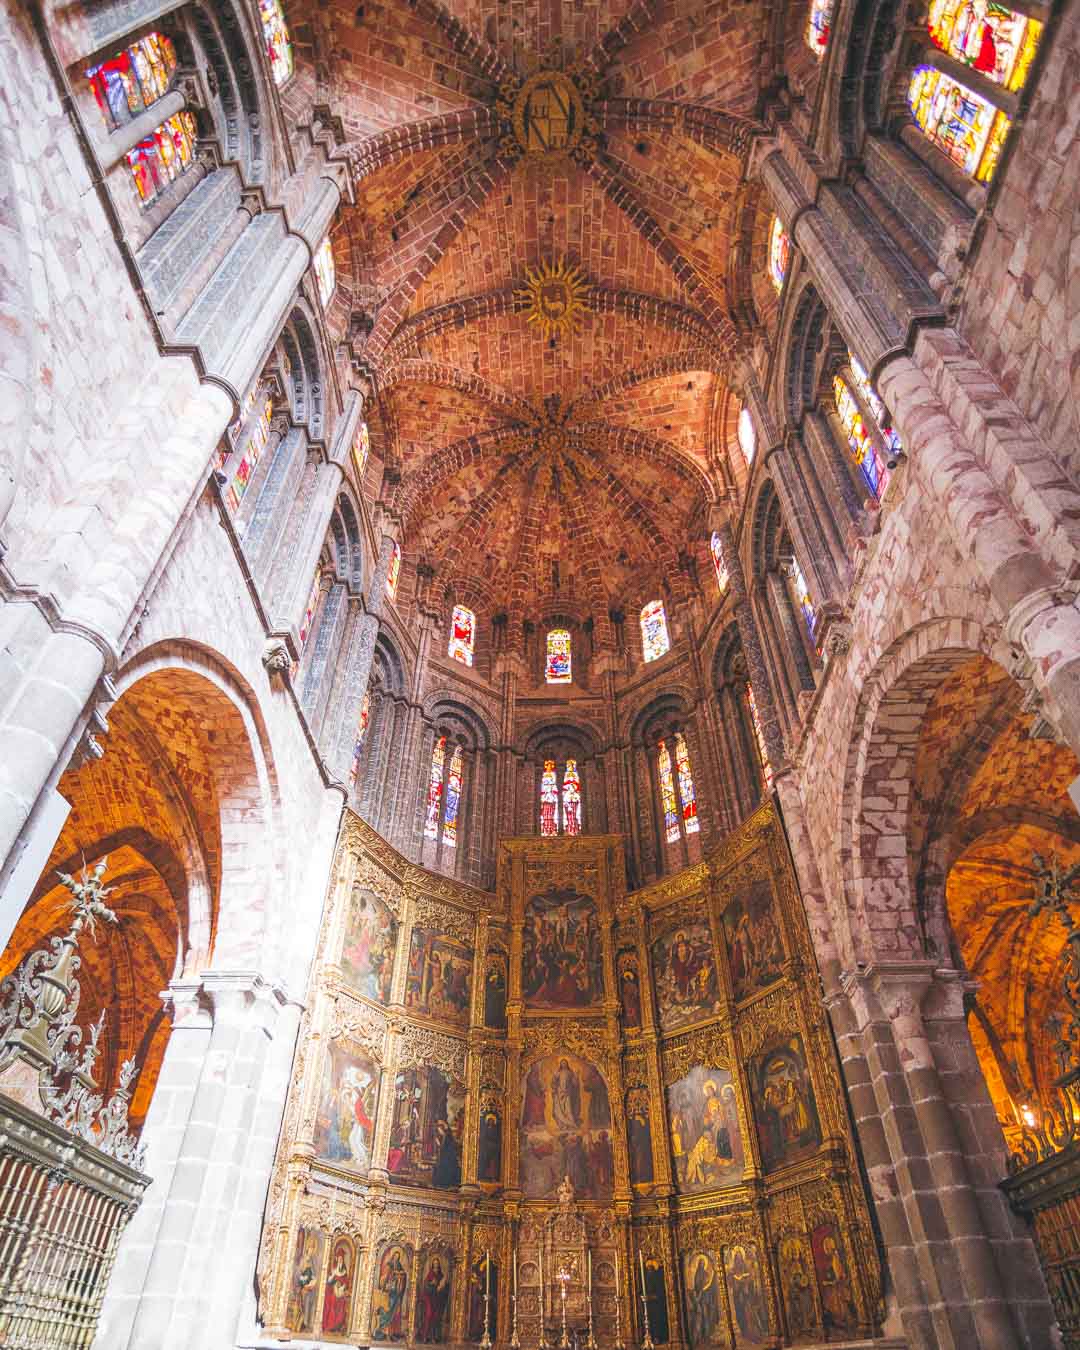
(640, 1089)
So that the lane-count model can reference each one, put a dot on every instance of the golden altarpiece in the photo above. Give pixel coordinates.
(624, 1106)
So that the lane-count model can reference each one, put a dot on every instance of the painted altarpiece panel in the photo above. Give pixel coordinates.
(566, 1129)
(434, 1286)
(684, 973)
(345, 1120)
(785, 1109)
(562, 963)
(339, 1285)
(390, 1294)
(367, 951)
(706, 1139)
(438, 978)
(746, 1295)
(302, 1314)
(428, 1117)
(755, 946)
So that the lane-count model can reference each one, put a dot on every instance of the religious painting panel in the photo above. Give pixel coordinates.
(797, 1287)
(302, 1311)
(639, 1136)
(629, 990)
(433, 1298)
(684, 973)
(784, 1106)
(495, 972)
(425, 1128)
(566, 1130)
(755, 947)
(656, 1300)
(705, 1136)
(838, 1311)
(746, 1294)
(439, 976)
(367, 952)
(345, 1120)
(389, 1294)
(702, 1278)
(483, 1277)
(489, 1144)
(338, 1288)
(561, 959)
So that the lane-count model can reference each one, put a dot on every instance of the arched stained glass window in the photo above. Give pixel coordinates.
(361, 734)
(435, 789)
(549, 800)
(453, 800)
(162, 157)
(963, 124)
(325, 275)
(997, 42)
(747, 436)
(134, 79)
(860, 442)
(818, 26)
(759, 738)
(654, 631)
(310, 608)
(361, 444)
(279, 50)
(719, 566)
(779, 254)
(393, 572)
(557, 668)
(894, 446)
(686, 785)
(250, 455)
(462, 635)
(802, 596)
(571, 798)
(667, 794)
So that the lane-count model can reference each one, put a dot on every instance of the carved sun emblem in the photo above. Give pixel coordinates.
(553, 297)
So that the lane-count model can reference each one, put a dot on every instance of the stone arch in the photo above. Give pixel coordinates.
(16, 313)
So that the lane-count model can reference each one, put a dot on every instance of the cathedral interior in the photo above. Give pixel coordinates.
(540, 673)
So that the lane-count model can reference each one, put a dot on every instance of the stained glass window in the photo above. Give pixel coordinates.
(393, 572)
(133, 79)
(654, 634)
(162, 156)
(667, 794)
(894, 446)
(361, 443)
(779, 254)
(251, 454)
(549, 799)
(310, 608)
(860, 442)
(686, 785)
(453, 800)
(557, 667)
(361, 734)
(759, 737)
(279, 50)
(966, 126)
(719, 565)
(747, 436)
(818, 26)
(325, 276)
(994, 40)
(802, 595)
(462, 635)
(571, 798)
(435, 789)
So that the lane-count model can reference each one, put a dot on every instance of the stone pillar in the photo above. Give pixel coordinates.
(805, 513)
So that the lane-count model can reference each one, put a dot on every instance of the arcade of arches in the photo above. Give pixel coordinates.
(540, 542)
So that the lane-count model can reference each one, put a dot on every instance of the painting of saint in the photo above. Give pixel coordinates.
(367, 953)
(629, 991)
(566, 1130)
(345, 1122)
(705, 1135)
(685, 975)
(755, 948)
(489, 1147)
(301, 1313)
(562, 965)
(495, 990)
(338, 1288)
(784, 1106)
(797, 1286)
(425, 1129)
(433, 1300)
(388, 1296)
(656, 1300)
(703, 1308)
(834, 1283)
(477, 1283)
(439, 976)
(639, 1136)
(747, 1297)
